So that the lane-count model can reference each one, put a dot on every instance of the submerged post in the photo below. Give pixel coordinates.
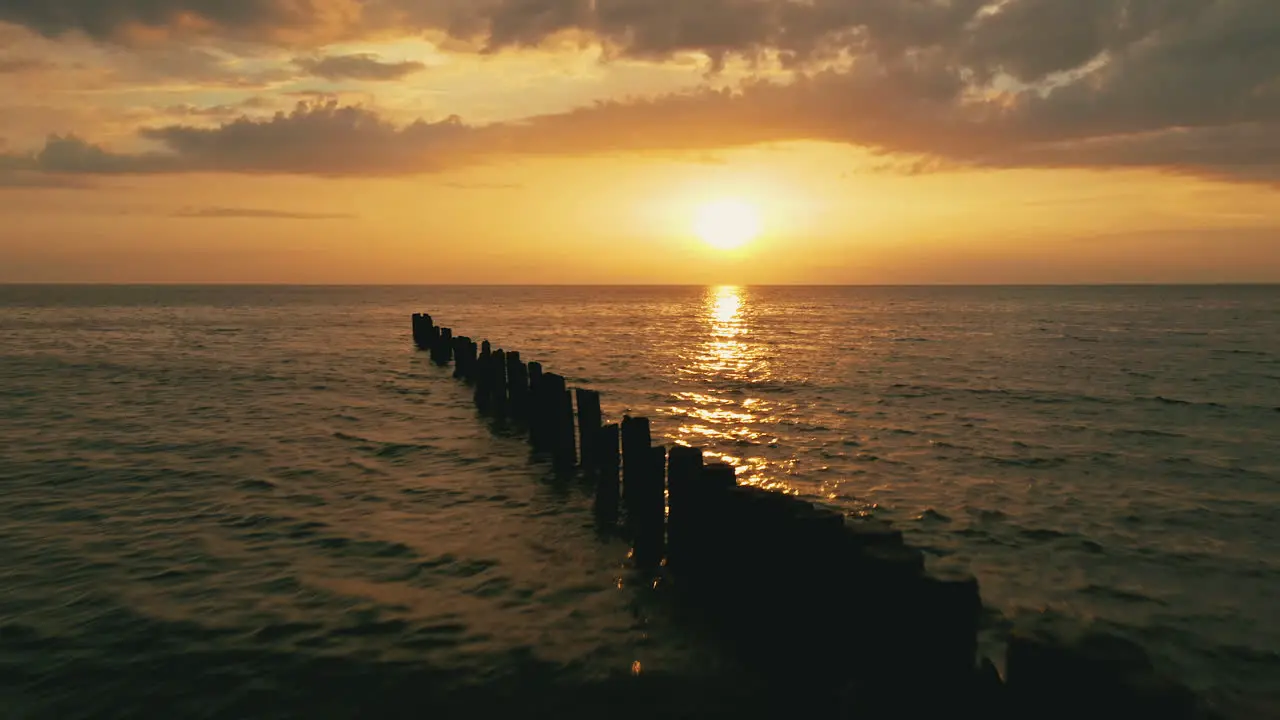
(688, 514)
(650, 507)
(635, 447)
(608, 461)
(483, 377)
(556, 416)
(535, 414)
(421, 333)
(442, 352)
(589, 419)
(517, 388)
(464, 355)
(498, 384)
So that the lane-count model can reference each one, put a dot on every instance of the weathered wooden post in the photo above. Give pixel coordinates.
(557, 416)
(607, 464)
(589, 420)
(517, 389)
(535, 416)
(444, 347)
(461, 346)
(688, 503)
(566, 438)
(635, 448)
(498, 384)
(420, 334)
(651, 508)
(473, 361)
(484, 378)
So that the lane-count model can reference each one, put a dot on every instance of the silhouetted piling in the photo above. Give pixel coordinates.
(460, 347)
(608, 462)
(536, 415)
(484, 378)
(422, 327)
(465, 360)
(498, 384)
(556, 415)
(650, 508)
(566, 438)
(517, 388)
(442, 346)
(589, 420)
(635, 447)
(686, 512)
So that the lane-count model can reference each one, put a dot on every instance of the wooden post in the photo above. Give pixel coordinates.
(688, 501)
(635, 448)
(567, 442)
(607, 464)
(557, 409)
(651, 508)
(420, 322)
(444, 346)
(498, 387)
(461, 348)
(484, 378)
(473, 361)
(517, 388)
(589, 419)
(534, 412)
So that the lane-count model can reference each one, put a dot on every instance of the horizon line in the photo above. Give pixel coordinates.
(1136, 283)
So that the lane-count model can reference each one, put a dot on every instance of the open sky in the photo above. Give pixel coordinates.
(550, 141)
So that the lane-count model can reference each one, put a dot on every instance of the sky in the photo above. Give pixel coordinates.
(582, 141)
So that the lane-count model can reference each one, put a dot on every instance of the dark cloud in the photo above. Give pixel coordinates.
(322, 139)
(361, 66)
(881, 109)
(207, 213)
(318, 139)
(1189, 86)
(106, 19)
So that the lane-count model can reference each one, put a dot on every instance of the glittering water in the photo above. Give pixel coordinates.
(234, 499)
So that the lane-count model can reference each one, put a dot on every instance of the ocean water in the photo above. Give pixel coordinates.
(251, 501)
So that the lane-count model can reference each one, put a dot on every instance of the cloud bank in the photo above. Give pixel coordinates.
(1187, 86)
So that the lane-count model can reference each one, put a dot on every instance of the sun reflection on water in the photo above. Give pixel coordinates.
(719, 414)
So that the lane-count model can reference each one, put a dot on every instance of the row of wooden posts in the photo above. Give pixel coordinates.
(758, 561)
(712, 534)
(631, 474)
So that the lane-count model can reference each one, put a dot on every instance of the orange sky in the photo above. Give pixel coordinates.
(567, 141)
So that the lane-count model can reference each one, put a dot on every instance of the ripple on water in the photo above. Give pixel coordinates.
(303, 497)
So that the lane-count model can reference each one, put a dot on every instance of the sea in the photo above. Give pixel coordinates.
(242, 502)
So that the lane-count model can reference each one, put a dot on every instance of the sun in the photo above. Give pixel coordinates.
(728, 224)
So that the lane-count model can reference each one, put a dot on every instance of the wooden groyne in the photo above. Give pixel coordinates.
(808, 594)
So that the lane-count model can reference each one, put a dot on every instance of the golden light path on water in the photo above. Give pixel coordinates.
(717, 408)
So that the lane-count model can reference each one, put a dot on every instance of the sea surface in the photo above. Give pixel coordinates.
(262, 502)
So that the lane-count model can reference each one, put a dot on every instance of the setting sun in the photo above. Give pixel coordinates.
(728, 224)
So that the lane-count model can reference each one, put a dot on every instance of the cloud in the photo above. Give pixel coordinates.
(322, 138)
(278, 20)
(22, 64)
(252, 213)
(217, 111)
(1187, 86)
(361, 66)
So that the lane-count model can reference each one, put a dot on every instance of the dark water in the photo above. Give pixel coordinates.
(259, 502)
